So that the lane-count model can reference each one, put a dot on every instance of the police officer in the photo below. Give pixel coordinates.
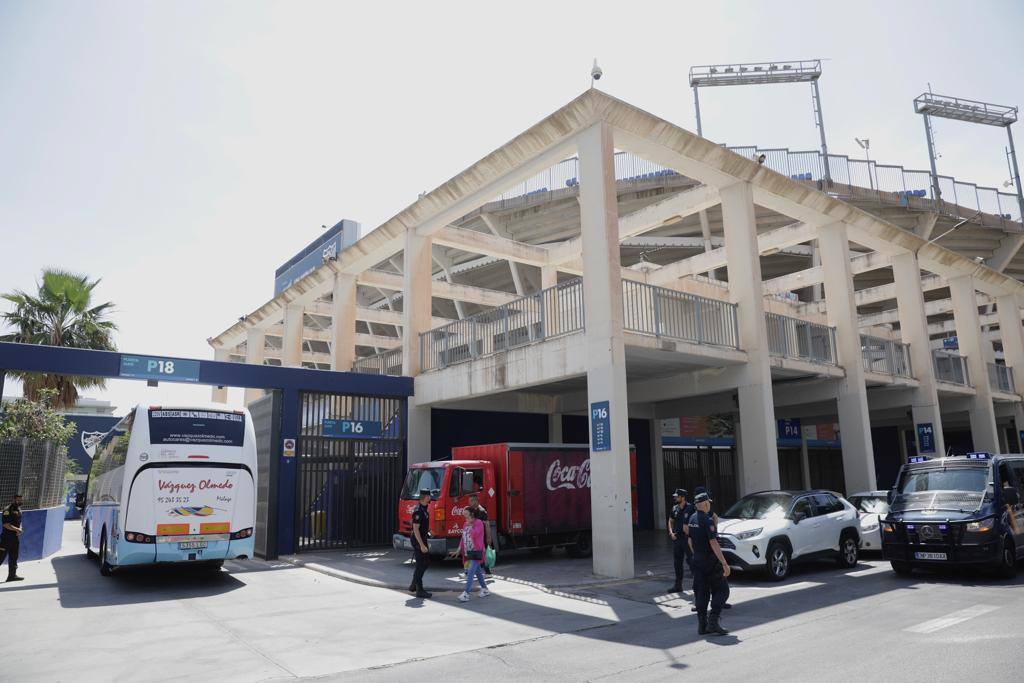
(710, 570)
(677, 521)
(420, 551)
(10, 538)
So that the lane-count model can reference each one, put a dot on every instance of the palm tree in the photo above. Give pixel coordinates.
(61, 314)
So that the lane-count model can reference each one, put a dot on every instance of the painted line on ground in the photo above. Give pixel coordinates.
(952, 619)
(869, 571)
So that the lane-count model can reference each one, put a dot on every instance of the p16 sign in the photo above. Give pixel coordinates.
(351, 429)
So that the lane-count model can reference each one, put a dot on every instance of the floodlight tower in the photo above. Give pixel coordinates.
(960, 109)
(763, 73)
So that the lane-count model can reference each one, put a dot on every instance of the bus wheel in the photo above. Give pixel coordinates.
(86, 537)
(105, 568)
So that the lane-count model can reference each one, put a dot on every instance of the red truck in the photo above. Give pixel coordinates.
(537, 496)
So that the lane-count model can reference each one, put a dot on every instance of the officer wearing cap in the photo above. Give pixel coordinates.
(420, 551)
(677, 530)
(10, 538)
(710, 570)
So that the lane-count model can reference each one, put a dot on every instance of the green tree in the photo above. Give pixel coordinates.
(60, 314)
(35, 420)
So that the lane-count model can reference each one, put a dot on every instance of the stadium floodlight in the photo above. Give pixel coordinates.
(970, 111)
(763, 73)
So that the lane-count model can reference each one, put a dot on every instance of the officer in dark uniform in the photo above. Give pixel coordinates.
(420, 534)
(10, 538)
(710, 570)
(677, 521)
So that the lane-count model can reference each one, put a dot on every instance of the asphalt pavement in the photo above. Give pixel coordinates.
(276, 621)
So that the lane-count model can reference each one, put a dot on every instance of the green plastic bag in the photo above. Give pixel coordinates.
(490, 558)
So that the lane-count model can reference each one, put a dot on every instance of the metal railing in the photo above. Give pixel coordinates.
(886, 183)
(552, 312)
(1000, 378)
(666, 313)
(385, 363)
(35, 469)
(795, 338)
(951, 367)
(885, 356)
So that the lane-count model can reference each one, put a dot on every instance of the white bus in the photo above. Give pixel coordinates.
(172, 484)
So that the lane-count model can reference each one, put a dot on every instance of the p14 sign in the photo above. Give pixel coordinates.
(351, 429)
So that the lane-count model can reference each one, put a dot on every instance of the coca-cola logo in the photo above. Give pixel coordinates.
(568, 477)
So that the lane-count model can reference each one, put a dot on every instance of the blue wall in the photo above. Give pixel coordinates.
(42, 532)
(87, 425)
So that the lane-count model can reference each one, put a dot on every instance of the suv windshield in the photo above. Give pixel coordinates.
(761, 506)
(873, 505)
(423, 478)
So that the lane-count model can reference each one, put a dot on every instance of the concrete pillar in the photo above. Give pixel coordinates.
(343, 326)
(658, 474)
(805, 461)
(291, 342)
(757, 410)
(968, 331)
(417, 312)
(555, 428)
(914, 331)
(220, 394)
(1012, 334)
(255, 342)
(852, 396)
(610, 494)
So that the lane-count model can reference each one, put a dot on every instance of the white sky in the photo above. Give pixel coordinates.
(181, 151)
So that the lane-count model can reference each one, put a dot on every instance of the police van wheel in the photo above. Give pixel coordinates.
(778, 561)
(901, 568)
(105, 568)
(1007, 560)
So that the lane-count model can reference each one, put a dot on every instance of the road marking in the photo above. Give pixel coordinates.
(951, 619)
(869, 571)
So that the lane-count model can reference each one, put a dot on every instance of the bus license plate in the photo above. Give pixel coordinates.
(198, 545)
(929, 556)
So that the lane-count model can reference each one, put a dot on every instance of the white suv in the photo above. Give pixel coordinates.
(769, 530)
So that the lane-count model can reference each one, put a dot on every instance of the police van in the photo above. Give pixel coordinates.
(962, 511)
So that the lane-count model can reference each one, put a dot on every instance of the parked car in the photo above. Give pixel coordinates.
(771, 529)
(872, 507)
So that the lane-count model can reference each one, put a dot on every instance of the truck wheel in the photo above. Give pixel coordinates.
(105, 568)
(901, 568)
(1007, 568)
(582, 547)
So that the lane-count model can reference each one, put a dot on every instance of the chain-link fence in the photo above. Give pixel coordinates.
(35, 469)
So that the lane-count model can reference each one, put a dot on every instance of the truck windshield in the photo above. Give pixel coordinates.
(968, 479)
(423, 478)
(761, 506)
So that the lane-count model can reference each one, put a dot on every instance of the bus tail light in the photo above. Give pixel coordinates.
(242, 533)
(136, 537)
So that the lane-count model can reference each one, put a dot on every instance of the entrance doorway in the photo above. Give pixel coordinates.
(711, 466)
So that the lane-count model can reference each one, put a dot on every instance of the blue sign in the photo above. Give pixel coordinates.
(951, 343)
(351, 429)
(600, 426)
(789, 430)
(324, 248)
(925, 438)
(154, 367)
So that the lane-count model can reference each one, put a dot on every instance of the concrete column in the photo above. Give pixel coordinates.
(220, 394)
(610, 494)
(914, 331)
(852, 397)
(757, 410)
(343, 326)
(417, 312)
(968, 331)
(658, 474)
(555, 428)
(1012, 334)
(291, 343)
(255, 341)
(805, 461)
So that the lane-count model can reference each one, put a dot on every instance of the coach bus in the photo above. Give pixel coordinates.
(172, 485)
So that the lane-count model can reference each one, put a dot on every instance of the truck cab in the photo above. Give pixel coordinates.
(957, 511)
(450, 482)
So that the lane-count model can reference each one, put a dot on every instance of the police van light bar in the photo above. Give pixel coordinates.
(919, 458)
(979, 456)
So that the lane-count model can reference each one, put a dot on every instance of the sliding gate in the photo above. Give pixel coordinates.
(351, 461)
(715, 468)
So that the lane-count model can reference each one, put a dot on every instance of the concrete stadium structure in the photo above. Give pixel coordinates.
(712, 284)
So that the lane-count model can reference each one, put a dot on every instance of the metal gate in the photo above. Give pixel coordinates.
(348, 485)
(714, 468)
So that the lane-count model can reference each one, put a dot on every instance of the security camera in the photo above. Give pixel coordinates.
(595, 71)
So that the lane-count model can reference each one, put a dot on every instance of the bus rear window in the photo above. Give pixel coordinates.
(196, 427)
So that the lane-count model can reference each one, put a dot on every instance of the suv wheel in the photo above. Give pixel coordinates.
(1007, 559)
(778, 561)
(849, 550)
